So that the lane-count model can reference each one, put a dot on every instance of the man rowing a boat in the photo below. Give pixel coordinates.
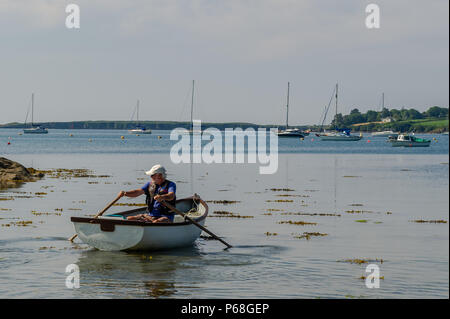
(158, 190)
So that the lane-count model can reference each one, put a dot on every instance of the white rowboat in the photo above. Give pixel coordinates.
(114, 232)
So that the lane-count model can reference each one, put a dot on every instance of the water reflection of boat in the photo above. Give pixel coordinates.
(409, 141)
(114, 232)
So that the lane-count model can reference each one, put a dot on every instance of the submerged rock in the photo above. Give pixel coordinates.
(12, 174)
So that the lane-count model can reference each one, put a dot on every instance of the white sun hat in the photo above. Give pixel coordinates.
(156, 169)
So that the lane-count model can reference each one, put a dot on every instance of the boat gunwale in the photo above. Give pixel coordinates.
(91, 220)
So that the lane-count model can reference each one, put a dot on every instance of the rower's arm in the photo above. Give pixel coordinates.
(167, 197)
(133, 193)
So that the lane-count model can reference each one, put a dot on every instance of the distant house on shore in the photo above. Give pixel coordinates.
(386, 120)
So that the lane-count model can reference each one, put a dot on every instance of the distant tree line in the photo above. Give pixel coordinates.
(399, 120)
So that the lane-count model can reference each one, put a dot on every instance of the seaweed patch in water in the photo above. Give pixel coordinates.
(288, 195)
(44, 247)
(224, 202)
(44, 213)
(228, 214)
(308, 236)
(281, 190)
(280, 201)
(361, 220)
(364, 277)
(430, 221)
(361, 261)
(312, 214)
(358, 211)
(270, 234)
(301, 223)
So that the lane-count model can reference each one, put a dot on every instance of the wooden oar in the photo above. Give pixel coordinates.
(172, 208)
(100, 213)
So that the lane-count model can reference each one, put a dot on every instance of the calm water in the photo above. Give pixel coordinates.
(386, 187)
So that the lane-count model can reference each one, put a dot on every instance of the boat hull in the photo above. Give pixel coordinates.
(410, 144)
(339, 138)
(35, 131)
(283, 134)
(113, 233)
(140, 131)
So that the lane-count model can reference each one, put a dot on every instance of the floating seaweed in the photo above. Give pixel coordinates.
(274, 210)
(301, 223)
(44, 247)
(364, 277)
(44, 213)
(280, 201)
(312, 214)
(281, 190)
(361, 261)
(308, 236)
(289, 195)
(361, 220)
(358, 211)
(228, 214)
(430, 221)
(65, 173)
(270, 234)
(224, 202)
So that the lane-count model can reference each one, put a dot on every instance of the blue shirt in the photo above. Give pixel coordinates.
(157, 206)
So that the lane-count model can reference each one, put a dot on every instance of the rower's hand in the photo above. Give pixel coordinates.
(121, 194)
(158, 198)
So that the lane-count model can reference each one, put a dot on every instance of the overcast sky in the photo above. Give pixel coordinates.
(241, 53)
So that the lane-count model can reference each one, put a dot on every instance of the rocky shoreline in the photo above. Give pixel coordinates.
(13, 174)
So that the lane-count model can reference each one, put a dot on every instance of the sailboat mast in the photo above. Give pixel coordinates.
(137, 109)
(192, 105)
(383, 103)
(32, 108)
(287, 107)
(336, 99)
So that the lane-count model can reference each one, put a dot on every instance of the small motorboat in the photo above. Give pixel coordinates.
(114, 232)
(409, 141)
(291, 132)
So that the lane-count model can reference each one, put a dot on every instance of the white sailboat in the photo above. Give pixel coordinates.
(339, 134)
(386, 133)
(139, 129)
(289, 132)
(34, 129)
